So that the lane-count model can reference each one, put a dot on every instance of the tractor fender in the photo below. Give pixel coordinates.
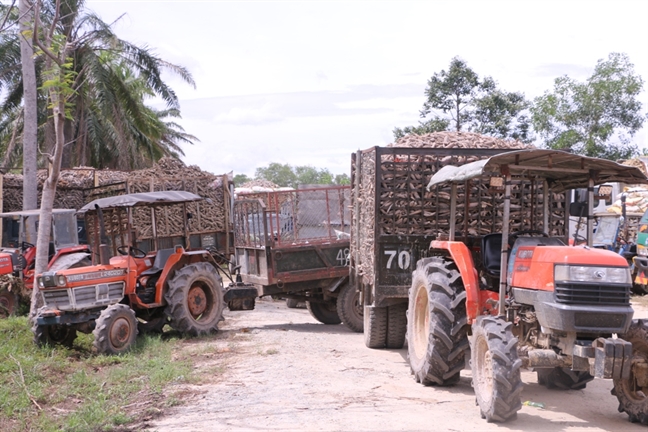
(462, 258)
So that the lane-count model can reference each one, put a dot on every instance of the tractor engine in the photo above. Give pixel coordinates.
(562, 294)
(145, 288)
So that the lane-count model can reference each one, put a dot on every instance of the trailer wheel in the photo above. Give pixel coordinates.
(324, 312)
(396, 326)
(375, 326)
(496, 369)
(292, 303)
(563, 378)
(349, 308)
(8, 303)
(54, 335)
(632, 393)
(436, 323)
(115, 330)
(195, 299)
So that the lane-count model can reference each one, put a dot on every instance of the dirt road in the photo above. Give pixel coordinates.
(276, 368)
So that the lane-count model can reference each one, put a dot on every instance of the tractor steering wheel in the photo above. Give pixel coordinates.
(514, 236)
(26, 245)
(132, 251)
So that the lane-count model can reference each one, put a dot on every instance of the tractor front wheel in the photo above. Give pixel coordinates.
(496, 369)
(115, 330)
(54, 335)
(195, 299)
(436, 323)
(349, 308)
(8, 303)
(632, 393)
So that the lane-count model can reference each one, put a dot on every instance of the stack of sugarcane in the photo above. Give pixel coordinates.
(406, 207)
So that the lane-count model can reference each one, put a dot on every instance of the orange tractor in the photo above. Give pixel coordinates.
(18, 254)
(521, 297)
(136, 283)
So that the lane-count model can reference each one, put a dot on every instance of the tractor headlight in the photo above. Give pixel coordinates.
(617, 275)
(60, 280)
(39, 281)
(642, 250)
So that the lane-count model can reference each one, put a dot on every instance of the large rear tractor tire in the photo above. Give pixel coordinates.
(632, 393)
(496, 369)
(8, 303)
(396, 326)
(563, 378)
(324, 312)
(349, 308)
(115, 330)
(437, 325)
(195, 299)
(375, 326)
(54, 335)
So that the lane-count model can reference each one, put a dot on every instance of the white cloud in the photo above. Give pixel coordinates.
(308, 83)
(248, 116)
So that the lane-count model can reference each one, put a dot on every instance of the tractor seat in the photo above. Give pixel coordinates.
(161, 258)
(492, 253)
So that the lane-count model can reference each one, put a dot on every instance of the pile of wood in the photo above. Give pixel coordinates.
(457, 140)
(406, 208)
(78, 186)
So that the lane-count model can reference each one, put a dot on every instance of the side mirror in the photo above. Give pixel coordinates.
(578, 209)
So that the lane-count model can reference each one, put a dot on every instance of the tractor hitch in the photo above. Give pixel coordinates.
(240, 296)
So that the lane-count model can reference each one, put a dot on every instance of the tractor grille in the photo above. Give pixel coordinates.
(84, 297)
(574, 293)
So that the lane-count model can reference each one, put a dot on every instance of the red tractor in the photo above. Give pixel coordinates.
(18, 254)
(519, 296)
(145, 281)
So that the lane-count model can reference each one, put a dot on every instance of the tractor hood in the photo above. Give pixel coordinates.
(561, 169)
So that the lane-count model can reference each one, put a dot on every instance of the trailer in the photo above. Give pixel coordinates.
(294, 244)
(394, 219)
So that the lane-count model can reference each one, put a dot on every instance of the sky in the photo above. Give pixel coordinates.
(310, 82)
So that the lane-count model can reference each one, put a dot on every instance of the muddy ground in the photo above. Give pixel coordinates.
(276, 368)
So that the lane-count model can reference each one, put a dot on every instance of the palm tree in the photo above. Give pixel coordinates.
(111, 126)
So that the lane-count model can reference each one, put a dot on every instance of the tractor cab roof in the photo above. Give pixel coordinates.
(561, 169)
(142, 199)
(35, 212)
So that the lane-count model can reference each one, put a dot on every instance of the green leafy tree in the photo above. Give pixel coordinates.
(342, 179)
(240, 179)
(111, 124)
(597, 117)
(467, 102)
(279, 174)
(285, 175)
(436, 124)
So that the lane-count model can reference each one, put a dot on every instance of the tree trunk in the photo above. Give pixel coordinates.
(47, 201)
(30, 128)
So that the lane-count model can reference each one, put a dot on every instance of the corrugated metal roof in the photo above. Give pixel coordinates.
(561, 169)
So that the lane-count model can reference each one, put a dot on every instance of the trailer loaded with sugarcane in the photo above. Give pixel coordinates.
(294, 244)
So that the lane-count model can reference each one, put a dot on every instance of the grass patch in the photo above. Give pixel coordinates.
(54, 389)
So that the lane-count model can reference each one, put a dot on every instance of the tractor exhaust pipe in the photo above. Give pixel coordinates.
(104, 250)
